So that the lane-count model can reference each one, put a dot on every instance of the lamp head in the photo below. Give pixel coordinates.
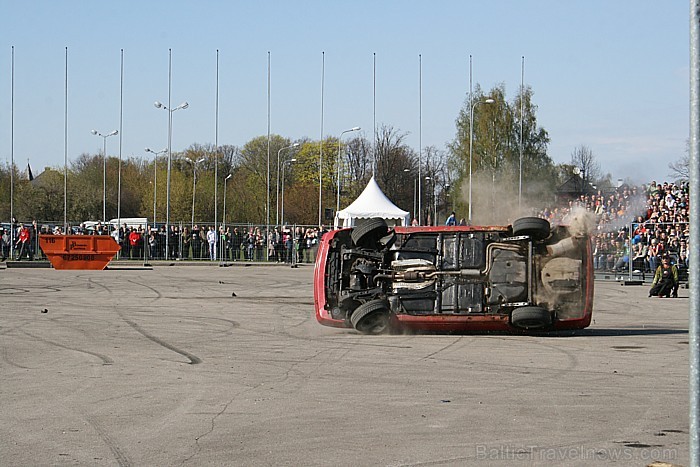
(184, 105)
(148, 150)
(292, 160)
(94, 132)
(157, 104)
(356, 128)
(115, 132)
(489, 101)
(228, 176)
(296, 145)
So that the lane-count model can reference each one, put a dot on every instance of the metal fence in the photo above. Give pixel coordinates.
(635, 249)
(201, 242)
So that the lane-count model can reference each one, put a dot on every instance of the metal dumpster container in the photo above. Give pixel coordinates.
(79, 251)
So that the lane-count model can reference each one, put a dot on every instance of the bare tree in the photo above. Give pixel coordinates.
(680, 169)
(583, 158)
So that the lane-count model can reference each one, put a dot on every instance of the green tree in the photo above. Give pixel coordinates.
(496, 156)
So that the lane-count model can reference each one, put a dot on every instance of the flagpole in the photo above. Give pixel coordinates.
(121, 120)
(320, 153)
(65, 152)
(374, 112)
(12, 152)
(420, 134)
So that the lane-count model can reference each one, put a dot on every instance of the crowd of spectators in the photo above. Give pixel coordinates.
(642, 223)
(286, 244)
(637, 224)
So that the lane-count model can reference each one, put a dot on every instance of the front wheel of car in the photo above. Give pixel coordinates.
(372, 317)
(368, 233)
(535, 227)
(531, 317)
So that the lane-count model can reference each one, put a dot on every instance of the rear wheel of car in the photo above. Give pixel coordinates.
(534, 227)
(369, 232)
(531, 317)
(372, 317)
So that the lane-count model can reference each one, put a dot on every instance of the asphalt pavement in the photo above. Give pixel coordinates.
(227, 366)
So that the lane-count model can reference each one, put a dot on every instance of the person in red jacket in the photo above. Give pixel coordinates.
(23, 243)
(135, 242)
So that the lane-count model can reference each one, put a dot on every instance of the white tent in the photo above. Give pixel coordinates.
(372, 202)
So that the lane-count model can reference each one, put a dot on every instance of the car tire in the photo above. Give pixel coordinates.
(531, 317)
(372, 317)
(369, 232)
(534, 227)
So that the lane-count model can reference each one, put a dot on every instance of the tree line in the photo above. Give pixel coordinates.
(435, 179)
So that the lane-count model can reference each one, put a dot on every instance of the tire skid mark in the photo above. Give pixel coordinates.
(121, 458)
(105, 359)
(10, 362)
(194, 360)
(152, 289)
(458, 339)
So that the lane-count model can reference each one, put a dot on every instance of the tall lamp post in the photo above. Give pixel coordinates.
(159, 105)
(194, 183)
(104, 170)
(471, 143)
(337, 204)
(277, 195)
(285, 163)
(155, 178)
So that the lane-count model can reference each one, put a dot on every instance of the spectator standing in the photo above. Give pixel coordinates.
(211, 239)
(4, 243)
(196, 243)
(23, 243)
(135, 244)
(452, 220)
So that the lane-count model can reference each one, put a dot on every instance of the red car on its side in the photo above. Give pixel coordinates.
(524, 276)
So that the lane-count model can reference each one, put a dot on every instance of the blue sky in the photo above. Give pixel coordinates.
(611, 75)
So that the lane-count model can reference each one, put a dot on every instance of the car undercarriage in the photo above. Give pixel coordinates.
(531, 273)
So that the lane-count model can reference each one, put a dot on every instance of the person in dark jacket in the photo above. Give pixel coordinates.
(665, 283)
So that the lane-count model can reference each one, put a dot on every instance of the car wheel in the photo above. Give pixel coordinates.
(371, 317)
(534, 227)
(369, 232)
(531, 317)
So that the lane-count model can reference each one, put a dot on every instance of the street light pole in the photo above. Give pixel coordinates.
(155, 178)
(283, 164)
(471, 143)
(104, 171)
(159, 105)
(337, 204)
(194, 184)
(277, 194)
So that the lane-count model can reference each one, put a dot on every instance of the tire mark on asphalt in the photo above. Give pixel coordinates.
(105, 359)
(121, 458)
(10, 362)
(154, 290)
(442, 349)
(194, 360)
